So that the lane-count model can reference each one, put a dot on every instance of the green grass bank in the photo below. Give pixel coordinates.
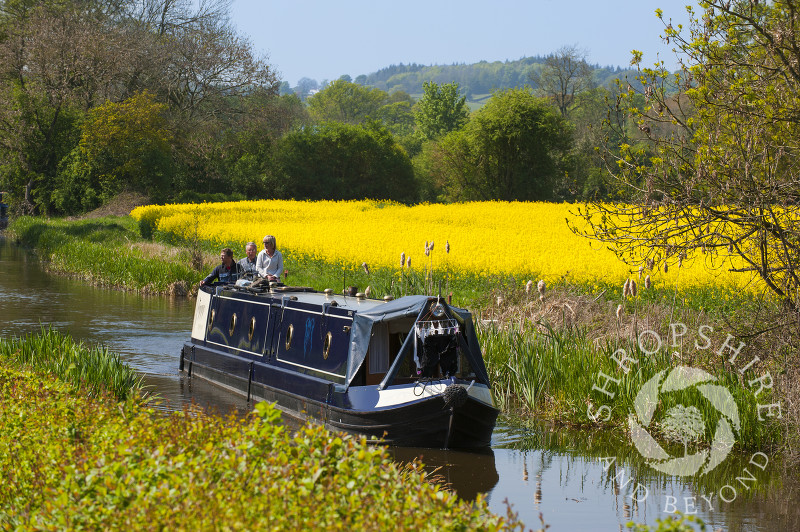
(106, 252)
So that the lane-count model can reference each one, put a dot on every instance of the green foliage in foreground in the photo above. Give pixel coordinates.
(69, 461)
(96, 370)
(100, 250)
(678, 523)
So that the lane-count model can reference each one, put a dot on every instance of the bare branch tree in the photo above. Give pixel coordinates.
(715, 172)
(563, 77)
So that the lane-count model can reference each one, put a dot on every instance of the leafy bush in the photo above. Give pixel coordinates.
(70, 462)
(341, 162)
(677, 523)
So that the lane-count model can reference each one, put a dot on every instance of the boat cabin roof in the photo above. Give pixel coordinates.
(366, 313)
(310, 296)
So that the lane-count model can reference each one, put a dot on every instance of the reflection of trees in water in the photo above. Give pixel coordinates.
(763, 496)
(543, 463)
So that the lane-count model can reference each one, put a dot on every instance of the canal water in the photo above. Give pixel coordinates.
(576, 480)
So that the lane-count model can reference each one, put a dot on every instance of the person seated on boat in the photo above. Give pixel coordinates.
(270, 261)
(224, 273)
(247, 265)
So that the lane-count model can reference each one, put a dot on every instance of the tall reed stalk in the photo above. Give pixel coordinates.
(95, 369)
(539, 371)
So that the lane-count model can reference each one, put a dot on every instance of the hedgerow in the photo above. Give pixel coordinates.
(71, 461)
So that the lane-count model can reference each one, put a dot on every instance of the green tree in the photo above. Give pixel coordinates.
(55, 63)
(123, 146)
(722, 178)
(398, 117)
(513, 148)
(305, 86)
(205, 72)
(587, 178)
(344, 101)
(246, 163)
(343, 161)
(440, 110)
(193, 59)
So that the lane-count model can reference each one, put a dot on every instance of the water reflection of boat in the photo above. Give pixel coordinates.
(467, 473)
(408, 370)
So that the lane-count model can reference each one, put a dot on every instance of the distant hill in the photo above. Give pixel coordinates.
(476, 80)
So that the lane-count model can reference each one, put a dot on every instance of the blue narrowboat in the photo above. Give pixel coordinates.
(408, 371)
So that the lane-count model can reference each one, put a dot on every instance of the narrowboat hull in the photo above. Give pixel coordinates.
(324, 381)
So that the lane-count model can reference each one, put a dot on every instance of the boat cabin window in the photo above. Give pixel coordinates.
(385, 344)
(379, 350)
(386, 341)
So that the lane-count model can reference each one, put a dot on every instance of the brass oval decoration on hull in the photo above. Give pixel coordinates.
(289, 334)
(326, 346)
(211, 319)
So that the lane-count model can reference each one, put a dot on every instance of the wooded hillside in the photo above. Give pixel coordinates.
(477, 81)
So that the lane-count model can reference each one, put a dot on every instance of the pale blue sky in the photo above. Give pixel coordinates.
(323, 39)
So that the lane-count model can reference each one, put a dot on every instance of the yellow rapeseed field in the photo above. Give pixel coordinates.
(528, 240)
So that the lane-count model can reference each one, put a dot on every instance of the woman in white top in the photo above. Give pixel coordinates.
(269, 262)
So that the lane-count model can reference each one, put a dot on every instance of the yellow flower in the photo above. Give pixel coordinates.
(325, 230)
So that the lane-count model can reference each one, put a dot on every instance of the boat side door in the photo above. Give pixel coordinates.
(302, 340)
(335, 333)
(273, 331)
